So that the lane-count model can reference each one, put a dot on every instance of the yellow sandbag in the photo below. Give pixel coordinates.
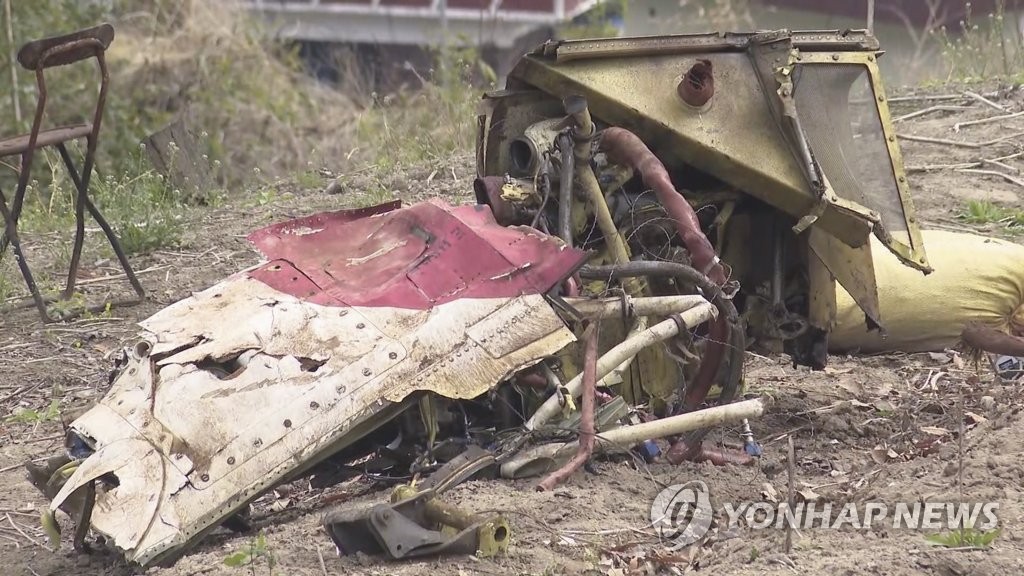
(975, 279)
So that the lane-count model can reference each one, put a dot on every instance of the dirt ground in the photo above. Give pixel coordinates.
(883, 428)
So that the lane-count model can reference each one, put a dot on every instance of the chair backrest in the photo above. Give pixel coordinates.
(66, 49)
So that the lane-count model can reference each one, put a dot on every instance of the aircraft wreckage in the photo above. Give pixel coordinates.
(647, 209)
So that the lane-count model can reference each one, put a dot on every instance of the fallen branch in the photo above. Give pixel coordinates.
(587, 430)
(930, 140)
(984, 100)
(959, 125)
(936, 108)
(1002, 175)
(22, 532)
(120, 276)
(976, 164)
(999, 164)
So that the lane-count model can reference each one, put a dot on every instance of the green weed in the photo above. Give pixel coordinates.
(30, 416)
(310, 179)
(252, 553)
(965, 538)
(985, 212)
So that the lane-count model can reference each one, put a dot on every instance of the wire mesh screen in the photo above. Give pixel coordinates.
(837, 109)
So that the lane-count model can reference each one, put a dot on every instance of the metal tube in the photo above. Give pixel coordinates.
(565, 189)
(622, 352)
(587, 430)
(624, 147)
(540, 458)
(725, 331)
(604, 308)
(583, 132)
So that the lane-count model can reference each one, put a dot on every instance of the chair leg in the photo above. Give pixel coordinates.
(76, 251)
(19, 197)
(11, 234)
(85, 201)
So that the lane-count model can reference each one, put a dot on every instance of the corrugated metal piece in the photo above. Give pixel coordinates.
(273, 369)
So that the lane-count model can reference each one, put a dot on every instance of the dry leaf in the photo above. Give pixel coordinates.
(768, 493)
(880, 454)
(809, 495)
(975, 418)
(280, 504)
(934, 430)
(836, 371)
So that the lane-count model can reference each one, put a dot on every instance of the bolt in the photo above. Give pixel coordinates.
(393, 355)
(892, 138)
(835, 57)
(367, 371)
(881, 98)
(903, 179)
(360, 326)
(205, 477)
(287, 423)
(231, 461)
(314, 405)
(343, 313)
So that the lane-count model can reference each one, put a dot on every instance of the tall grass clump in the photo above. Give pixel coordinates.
(983, 47)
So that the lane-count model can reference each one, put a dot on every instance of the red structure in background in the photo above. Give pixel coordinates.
(947, 13)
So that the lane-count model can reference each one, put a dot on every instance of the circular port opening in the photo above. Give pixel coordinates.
(500, 533)
(521, 154)
(142, 349)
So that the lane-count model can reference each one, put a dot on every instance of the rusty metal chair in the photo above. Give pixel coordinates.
(36, 57)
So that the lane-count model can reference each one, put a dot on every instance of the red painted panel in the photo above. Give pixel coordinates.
(415, 257)
(413, 3)
(506, 6)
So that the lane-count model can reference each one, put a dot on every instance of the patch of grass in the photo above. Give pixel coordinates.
(965, 538)
(985, 212)
(10, 278)
(255, 551)
(310, 180)
(983, 47)
(427, 124)
(30, 416)
(143, 209)
(212, 62)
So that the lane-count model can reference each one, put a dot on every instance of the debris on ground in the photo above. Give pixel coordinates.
(647, 211)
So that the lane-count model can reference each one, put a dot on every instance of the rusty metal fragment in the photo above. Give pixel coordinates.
(690, 230)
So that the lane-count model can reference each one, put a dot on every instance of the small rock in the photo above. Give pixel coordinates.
(563, 493)
(334, 187)
(988, 402)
